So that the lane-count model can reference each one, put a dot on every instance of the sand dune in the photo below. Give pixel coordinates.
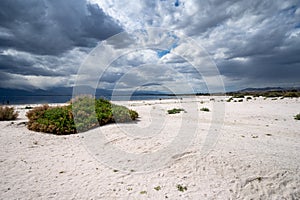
(251, 150)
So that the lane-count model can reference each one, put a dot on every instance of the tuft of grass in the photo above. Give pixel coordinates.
(143, 192)
(297, 117)
(8, 113)
(157, 188)
(204, 109)
(181, 188)
(230, 99)
(175, 110)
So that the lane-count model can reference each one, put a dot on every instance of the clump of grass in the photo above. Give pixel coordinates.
(297, 117)
(143, 192)
(230, 99)
(204, 109)
(82, 114)
(8, 113)
(157, 188)
(175, 110)
(181, 188)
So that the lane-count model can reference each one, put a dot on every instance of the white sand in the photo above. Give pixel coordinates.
(243, 162)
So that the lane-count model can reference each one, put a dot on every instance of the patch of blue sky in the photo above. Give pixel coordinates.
(162, 53)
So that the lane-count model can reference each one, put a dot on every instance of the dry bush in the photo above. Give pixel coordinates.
(8, 113)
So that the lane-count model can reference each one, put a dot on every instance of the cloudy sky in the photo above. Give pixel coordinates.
(43, 43)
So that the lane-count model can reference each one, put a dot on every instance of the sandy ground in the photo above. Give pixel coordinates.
(251, 150)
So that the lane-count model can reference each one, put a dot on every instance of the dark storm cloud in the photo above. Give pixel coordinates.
(12, 65)
(52, 27)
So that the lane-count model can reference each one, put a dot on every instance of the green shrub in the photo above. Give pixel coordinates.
(181, 188)
(292, 94)
(8, 113)
(175, 110)
(88, 113)
(157, 188)
(82, 114)
(56, 120)
(204, 109)
(230, 99)
(297, 117)
(123, 114)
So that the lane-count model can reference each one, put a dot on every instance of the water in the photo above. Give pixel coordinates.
(65, 98)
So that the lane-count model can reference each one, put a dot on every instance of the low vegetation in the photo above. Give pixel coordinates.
(157, 188)
(56, 120)
(205, 109)
(175, 110)
(297, 117)
(82, 114)
(267, 94)
(181, 188)
(8, 113)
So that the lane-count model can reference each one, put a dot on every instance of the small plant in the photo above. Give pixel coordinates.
(241, 100)
(143, 192)
(297, 117)
(204, 109)
(181, 188)
(8, 113)
(157, 188)
(230, 99)
(248, 98)
(175, 110)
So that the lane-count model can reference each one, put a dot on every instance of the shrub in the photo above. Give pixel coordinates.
(292, 94)
(181, 188)
(297, 117)
(89, 114)
(82, 114)
(56, 120)
(249, 98)
(175, 110)
(204, 109)
(8, 113)
(230, 99)
(157, 188)
(123, 114)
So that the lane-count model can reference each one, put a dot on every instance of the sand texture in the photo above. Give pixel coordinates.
(253, 153)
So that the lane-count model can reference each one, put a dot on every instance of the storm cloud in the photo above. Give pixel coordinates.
(253, 43)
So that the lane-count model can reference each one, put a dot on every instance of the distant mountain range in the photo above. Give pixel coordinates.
(68, 91)
(269, 89)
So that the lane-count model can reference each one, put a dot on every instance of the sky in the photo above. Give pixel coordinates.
(45, 43)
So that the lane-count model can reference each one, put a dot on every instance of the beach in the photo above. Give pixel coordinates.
(237, 150)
